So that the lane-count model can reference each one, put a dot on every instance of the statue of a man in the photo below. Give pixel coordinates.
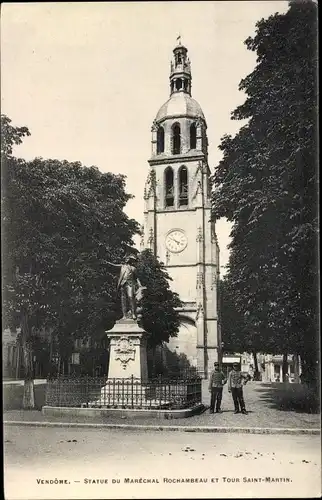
(129, 285)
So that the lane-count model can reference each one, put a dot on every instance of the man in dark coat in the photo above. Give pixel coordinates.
(217, 381)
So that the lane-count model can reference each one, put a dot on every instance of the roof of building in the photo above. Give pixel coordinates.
(180, 103)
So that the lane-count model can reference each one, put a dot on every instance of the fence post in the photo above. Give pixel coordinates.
(59, 390)
(86, 391)
(160, 390)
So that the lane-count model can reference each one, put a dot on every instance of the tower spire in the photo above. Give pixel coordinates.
(180, 73)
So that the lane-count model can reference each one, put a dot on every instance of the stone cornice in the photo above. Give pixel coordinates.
(187, 307)
(164, 160)
(178, 210)
(201, 263)
(186, 115)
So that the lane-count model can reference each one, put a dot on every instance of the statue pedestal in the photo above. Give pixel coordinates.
(126, 385)
(128, 351)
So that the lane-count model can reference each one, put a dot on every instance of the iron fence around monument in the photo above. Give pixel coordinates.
(131, 393)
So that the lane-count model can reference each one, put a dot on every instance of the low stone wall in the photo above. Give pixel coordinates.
(106, 412)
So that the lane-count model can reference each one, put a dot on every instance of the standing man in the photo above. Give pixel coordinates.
(236, 380)
(217, 381)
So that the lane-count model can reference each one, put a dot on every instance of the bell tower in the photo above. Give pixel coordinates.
(177, 213)
(180, 74)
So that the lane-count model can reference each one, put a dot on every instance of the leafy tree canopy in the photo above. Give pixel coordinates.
(10, 136)
(159, 315)
(60, 222)
(266, 185)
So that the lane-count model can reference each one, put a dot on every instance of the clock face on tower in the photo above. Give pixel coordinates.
(176, 241)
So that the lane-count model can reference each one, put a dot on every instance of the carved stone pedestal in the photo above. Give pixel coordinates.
(128, 351)
(128, 368)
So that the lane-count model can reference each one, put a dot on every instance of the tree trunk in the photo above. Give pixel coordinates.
(296, 368)
(285, 368)
(154, 361)
(28, 402)
(59, 365)
(256, 370)
(310, 374)
(18, 360)
(164, 359)
(51, 348)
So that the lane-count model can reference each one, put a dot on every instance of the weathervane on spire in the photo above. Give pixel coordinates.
(179, 39)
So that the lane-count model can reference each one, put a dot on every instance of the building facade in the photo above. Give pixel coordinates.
(12, 354)
(177, 215)
(270, 366)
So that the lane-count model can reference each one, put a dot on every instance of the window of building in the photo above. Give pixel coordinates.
(169, 191)
(179, 58)
(160, 140)
(183, 186)
(176, 139)
(75, 359)
(277, 372)
(193, 136)
(178, 83)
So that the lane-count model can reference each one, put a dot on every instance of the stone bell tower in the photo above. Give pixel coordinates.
(177, 226)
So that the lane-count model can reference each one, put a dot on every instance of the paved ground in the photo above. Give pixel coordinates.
(268, 405)
(232, 466)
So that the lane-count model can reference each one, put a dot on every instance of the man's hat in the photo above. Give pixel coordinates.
(235, 364)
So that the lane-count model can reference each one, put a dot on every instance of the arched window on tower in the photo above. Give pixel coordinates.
(183, 186)
(169, 188)
(178, 84)
(193, 136)
(176, 139)
(160, 140)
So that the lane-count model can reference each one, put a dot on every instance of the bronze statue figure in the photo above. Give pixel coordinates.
(129, 286)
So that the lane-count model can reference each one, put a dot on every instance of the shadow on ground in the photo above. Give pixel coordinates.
(289, 397)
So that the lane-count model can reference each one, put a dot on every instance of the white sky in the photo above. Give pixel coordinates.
(87, 79)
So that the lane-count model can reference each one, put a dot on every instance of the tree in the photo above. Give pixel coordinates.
(159, 305)
(10, 136)
(233, 328)
(61, 221)
(266, 185)
(238, 333)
